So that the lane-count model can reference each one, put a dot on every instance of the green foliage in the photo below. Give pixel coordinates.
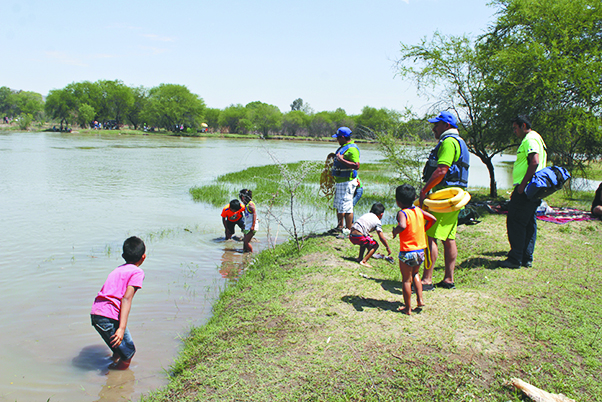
(229, 119)
(212, 117)
(134, 111)
(545, 61)
(85, 115)
(61, 104)
(171, 105)
(15, 103)
(264, 117)
(297, 104)
(452, 65)
(295, 122)
(25, 120)
(378, 120)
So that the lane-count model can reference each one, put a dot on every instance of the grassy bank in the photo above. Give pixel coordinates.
(317, 326)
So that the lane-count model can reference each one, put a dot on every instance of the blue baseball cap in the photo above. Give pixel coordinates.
(445, 117)
(342, 132)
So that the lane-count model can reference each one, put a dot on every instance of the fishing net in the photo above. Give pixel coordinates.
(327, 187)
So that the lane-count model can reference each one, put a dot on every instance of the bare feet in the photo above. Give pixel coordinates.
(405, 310)
(120, 364)
(365, 264)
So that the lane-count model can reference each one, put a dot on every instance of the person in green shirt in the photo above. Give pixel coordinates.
(447, 166)
(521, 221)
(344, 171)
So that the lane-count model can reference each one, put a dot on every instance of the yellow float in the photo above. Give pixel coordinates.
(446, 200)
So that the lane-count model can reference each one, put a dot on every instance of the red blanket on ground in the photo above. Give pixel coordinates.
(554, 215)
(565, 215)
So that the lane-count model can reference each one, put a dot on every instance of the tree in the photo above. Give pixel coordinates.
(297, 104)
(229, 119)
(321, 124)
(26, 102)
(85, 114)
(5, 103)
(294, 122)
(134, 111)
(545, 61)
(264, 117)
(171, 106)
(61, 104)
(116, 99)
(212, 118)
(379, 120)
(452, 66)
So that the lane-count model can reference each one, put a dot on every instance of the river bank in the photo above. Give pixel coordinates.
(317, 326)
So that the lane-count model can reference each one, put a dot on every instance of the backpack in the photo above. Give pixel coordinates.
(468, 216)
(546, 181)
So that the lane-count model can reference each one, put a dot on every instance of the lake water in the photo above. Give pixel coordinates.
(67, 202)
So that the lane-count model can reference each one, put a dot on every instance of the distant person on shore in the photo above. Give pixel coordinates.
(250, 218)
(112, 305)
(360, 233)
(447, 166)
(232, 216)
(597, 202)
(521, 221)
(412, 224)
(345, 166)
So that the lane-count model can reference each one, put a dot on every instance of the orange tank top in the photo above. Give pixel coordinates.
(232, 216)
(414, 236)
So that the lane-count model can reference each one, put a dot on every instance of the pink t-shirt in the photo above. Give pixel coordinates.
(108, 301)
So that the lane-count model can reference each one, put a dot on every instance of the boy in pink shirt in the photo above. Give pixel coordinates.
(112, 305)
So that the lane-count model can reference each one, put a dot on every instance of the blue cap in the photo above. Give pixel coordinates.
(445, 117)
(342, 132)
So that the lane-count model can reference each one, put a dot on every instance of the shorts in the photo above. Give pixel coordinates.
(232, 224)
(364, 241)
(412, 258)
(445, 227)
(251, 232)
(343, 196)
(107, 327)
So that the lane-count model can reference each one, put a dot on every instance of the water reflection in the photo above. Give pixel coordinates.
(120, 386)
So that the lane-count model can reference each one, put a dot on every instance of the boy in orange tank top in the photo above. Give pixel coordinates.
(412, 224)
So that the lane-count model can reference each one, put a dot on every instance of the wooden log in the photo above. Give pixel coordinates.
(537, 394)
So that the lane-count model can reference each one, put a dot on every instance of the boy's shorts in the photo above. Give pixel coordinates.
(231, 225)
(365, 241)
(107, 327)
(412, 258)
(445, 227)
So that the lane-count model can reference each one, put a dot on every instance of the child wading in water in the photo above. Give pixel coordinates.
(412, 224)
(360, 233)
(112, 306)
(250, 218)
(232, 216)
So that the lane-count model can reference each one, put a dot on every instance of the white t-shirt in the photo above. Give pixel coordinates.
(368, 223)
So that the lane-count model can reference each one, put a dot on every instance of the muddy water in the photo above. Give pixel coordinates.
(67, 202)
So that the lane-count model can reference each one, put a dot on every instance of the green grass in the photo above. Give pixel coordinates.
(307, 326)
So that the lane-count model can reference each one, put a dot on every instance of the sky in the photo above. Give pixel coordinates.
(330, 53)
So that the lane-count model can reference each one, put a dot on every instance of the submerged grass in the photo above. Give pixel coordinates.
(307, 326)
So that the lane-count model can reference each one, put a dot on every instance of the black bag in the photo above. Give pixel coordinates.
(468, 216)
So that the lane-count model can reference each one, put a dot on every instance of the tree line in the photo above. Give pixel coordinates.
(174, 108)
(540, 58)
